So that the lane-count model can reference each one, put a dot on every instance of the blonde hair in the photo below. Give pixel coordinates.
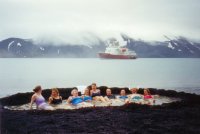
(148, 91)
(56, 90)
(86, 90)
(136, 89)
(94, 84)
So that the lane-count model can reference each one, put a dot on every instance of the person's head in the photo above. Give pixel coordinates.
(108, 91)
(87, 92)
(146, 91)
(74, 92)
(54, 92)
(123, 92)
(38, 89)
(94, 86)
(134, 90)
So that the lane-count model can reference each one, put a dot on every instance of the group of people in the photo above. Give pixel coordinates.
(90, 96)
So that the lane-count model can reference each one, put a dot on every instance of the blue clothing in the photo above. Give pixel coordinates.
(87, 98)
(111, 96)
(123, 97)
(76, 100)
(137, 98)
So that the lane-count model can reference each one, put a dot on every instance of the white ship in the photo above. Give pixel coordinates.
(115, 51)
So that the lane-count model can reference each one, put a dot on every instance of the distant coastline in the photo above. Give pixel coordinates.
(180, 47)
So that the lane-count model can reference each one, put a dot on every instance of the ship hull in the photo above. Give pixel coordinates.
(112, 56)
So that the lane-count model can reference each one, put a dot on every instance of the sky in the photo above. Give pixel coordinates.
(78, 21)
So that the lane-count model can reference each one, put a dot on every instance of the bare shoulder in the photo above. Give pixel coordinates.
(70, 97)
(33, 97)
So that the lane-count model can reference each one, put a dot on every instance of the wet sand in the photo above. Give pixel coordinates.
(176, 117)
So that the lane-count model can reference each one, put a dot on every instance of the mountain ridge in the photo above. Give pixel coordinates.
(180, 47)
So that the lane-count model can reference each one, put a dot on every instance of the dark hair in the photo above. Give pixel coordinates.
(37, 88)
(89, 87)
(75, 88)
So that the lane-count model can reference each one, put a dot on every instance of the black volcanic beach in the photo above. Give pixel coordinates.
(146, 54)
(177, 117)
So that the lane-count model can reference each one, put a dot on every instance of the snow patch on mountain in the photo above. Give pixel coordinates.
(191, 51)
(89, 46)
(41, 48)
(198, 47)
(191, 43)
(9, 45)
(18, 44)
(175, 44)
(170, 46)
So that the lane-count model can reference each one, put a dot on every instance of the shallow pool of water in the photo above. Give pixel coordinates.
(114, 102)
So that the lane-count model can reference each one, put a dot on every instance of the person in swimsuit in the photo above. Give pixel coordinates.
(123, 96)
(55, 98)
(135, 97)
(96, 94)
(149, 99)
(109, 96)
(76, 100)
(86, 96)
(39, 100)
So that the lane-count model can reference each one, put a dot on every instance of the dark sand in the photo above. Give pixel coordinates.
(181, 117)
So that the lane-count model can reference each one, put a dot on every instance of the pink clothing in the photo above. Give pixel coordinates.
(148, 97)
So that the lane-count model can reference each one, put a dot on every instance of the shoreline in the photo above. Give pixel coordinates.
(175, 117)
(23, 98)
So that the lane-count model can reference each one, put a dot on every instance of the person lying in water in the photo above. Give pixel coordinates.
(123, 96)
(55, 98)
(96, 94)
(135, 97)
(76, 100)
(86, 96)
(109, 96)
(39, 100)
(149, 99)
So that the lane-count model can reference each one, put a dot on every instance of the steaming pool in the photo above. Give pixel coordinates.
(114, 102)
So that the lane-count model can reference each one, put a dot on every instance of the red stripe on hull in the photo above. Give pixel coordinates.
(111, 56)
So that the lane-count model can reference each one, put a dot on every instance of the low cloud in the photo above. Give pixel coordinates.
(78, 22)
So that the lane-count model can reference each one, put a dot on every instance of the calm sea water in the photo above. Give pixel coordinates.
(22, 75)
